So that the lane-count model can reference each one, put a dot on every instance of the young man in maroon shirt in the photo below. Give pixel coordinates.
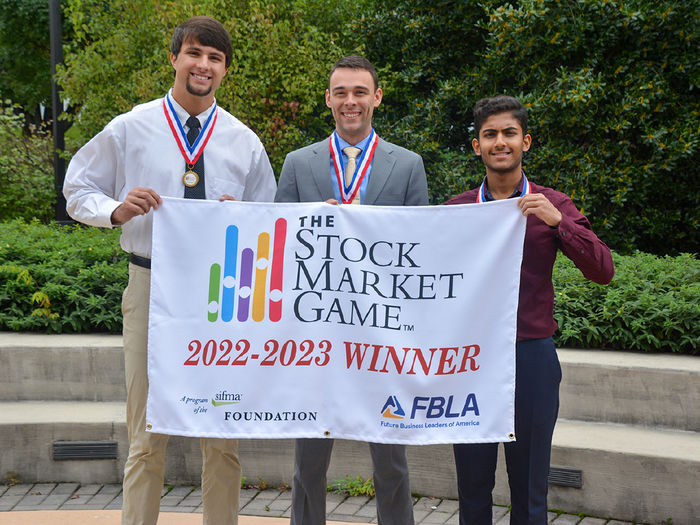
(553, 223)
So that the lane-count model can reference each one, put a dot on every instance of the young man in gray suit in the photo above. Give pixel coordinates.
(352, 166)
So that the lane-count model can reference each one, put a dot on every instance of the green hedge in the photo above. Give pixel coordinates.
(70, 279)
(60, 279)
(652, 304)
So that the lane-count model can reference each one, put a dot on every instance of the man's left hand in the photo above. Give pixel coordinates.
(226, 197)
(540, 206)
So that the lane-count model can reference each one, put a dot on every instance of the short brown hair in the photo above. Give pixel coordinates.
(355, 62)
(207, 31)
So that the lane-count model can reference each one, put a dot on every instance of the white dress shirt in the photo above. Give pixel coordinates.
(138, 149)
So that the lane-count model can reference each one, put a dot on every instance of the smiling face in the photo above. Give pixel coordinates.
(198, 73)
(501, 145)
(352, 97)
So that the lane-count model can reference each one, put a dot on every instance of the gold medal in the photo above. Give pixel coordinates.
(190, 178)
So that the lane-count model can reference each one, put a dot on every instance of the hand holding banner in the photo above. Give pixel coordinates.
(383, 324)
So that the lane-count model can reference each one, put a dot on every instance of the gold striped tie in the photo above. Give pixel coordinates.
(352, 154)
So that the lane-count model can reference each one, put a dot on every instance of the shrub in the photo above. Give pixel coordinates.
(70, 279)
(26, 168)
(613, 92)
(60, 279)
(652, 304)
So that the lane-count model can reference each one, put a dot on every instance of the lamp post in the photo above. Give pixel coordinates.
(59, 164)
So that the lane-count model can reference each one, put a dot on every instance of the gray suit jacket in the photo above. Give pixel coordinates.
(397, 177)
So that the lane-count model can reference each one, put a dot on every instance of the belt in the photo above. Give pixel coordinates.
(143, 262)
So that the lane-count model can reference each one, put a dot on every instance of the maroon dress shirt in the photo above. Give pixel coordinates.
(574, 237)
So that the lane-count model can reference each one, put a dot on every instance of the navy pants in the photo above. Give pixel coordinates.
(537, 378)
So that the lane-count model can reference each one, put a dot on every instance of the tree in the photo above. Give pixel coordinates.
(612, 87)
(275, 83)
(26, 168)
(614, 90)
(25, 57)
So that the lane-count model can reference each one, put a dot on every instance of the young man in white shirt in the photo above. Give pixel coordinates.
(159, 149)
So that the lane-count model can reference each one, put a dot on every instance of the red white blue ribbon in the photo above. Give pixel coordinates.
(481, 196)
(190, 153)
(347, 193)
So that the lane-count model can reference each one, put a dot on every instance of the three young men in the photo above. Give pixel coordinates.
(183, 145)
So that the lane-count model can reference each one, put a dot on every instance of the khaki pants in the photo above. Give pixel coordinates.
(145, 466)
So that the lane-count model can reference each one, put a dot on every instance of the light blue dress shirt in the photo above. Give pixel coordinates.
(363, 187)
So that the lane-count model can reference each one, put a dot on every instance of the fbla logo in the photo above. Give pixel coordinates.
(392, 409)
(435, 407)
(244, 286)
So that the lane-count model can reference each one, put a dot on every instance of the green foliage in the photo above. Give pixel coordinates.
(60, 279)
(11, 478)
(25, 63)
(652, 304)
(275, 83)
(117, 59)
(423, 42)
(353, 486)
(26, 168)
(612, 87)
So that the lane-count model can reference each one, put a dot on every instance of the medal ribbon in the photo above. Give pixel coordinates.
(347, 193)
(190, 153)
(481, 196)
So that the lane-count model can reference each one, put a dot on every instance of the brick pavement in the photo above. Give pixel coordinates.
(271, 503)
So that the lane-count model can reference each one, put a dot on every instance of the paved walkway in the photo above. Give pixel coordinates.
(62, 503)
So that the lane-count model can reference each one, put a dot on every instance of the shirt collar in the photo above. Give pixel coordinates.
(516, 193)
(183, 115)
(362, 144)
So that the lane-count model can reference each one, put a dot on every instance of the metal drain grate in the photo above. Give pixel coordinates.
(565, 476)
(84, 450)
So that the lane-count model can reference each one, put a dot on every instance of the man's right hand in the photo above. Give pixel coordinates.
(138, 202)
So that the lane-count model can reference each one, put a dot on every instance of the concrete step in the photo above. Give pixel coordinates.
(630, 472)
(657, 390)
(629, 425)
(605, 386)
(61, 367)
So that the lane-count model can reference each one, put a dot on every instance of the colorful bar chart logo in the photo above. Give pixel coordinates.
(244, 289)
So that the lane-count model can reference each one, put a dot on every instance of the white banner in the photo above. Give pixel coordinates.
(383, 324)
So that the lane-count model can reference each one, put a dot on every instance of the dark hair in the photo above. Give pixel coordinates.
(355, 62)
(486, 107)
(207, 31)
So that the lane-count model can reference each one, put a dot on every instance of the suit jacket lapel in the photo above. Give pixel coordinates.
(320, 165)
(382, 164)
